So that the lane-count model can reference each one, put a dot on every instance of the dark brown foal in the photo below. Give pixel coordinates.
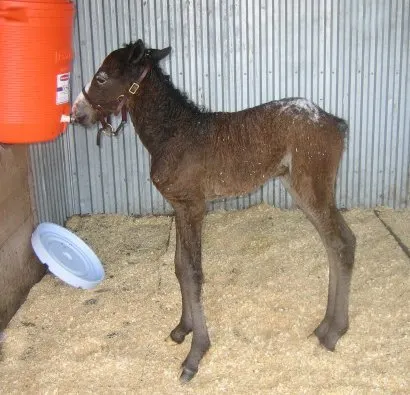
(198, 156)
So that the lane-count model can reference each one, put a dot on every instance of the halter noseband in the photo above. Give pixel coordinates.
(103, 115)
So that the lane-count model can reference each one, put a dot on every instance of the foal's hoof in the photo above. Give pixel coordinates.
(321, 331)
(326, 342)
(177, 335)
(328, 336)
(186, 375)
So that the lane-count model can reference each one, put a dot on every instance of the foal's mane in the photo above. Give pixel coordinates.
(174, 92)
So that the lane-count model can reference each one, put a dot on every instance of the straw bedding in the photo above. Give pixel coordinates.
(264, 293)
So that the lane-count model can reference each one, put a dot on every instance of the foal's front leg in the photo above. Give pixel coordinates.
(185, 324)
(188, 267)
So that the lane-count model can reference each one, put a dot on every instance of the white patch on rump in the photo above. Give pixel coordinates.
(302, 106)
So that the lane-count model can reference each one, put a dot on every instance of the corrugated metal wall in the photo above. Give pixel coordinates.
(349, 56)
(51, 181)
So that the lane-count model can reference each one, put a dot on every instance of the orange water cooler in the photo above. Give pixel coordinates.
(35, 64)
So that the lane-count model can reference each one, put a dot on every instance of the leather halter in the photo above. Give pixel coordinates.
(103, 115)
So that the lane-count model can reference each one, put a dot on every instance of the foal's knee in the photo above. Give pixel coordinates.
(189, 272)
(341, 241)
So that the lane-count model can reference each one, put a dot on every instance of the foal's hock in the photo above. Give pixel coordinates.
(199, 156)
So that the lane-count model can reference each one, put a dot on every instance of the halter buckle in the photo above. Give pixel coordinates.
(107, 129)
(134, 88)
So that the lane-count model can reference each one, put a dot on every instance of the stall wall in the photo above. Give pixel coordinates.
(18, 268)
(349, 56)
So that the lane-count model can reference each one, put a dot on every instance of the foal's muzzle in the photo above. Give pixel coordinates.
(104, 116)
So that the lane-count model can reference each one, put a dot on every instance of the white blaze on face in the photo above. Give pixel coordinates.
(80, 99)
(81, 111)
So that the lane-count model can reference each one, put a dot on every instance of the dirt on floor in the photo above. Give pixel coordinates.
(264, 293)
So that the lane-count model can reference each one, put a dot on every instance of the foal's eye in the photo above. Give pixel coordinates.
(100, 79)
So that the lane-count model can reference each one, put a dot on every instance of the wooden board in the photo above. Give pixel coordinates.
(18, 269)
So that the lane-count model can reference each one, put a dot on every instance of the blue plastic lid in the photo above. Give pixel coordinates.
(67, 256)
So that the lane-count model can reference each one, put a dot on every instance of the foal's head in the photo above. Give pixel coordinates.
(115, 81)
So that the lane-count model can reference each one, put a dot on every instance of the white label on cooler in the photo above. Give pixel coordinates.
(63, 88)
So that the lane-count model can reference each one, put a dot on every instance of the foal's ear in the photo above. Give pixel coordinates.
(157, 54)
(136, 52)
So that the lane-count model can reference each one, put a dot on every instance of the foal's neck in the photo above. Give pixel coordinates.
(161, 111)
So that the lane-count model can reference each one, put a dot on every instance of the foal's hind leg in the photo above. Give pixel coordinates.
(316, 199)
(340, 243)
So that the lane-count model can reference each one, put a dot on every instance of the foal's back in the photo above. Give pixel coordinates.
(238, 151)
